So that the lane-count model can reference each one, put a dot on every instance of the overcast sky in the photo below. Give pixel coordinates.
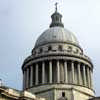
(22, 21)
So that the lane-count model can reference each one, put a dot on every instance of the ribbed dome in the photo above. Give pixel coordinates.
(56, 34)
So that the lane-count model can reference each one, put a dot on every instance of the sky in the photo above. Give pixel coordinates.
(22, 21)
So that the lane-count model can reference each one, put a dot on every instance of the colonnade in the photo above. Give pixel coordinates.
(61, 72)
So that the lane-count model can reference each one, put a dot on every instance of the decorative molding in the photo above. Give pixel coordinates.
(57, 57)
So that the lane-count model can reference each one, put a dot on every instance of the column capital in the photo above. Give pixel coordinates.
(72, 61)
(79, 63)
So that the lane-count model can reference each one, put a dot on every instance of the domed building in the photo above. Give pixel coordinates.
(58, 69)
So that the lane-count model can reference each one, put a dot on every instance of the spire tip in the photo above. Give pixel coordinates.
(56, 6)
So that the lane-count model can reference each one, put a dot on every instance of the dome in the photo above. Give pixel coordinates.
(56, 34)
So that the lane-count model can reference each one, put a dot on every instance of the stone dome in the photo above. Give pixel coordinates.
(56, 34)
(57, 60)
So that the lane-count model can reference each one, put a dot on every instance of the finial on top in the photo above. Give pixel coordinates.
(56, 18)
(56, 4)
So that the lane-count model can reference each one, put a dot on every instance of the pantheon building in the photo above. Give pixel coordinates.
(57, 68)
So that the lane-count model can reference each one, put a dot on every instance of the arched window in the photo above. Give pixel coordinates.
(49, 48)
(69, 49)
(60, 48)
(76, 51)
(56, 18)
(41, 50)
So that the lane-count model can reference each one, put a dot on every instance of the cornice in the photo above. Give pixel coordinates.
(57, 56)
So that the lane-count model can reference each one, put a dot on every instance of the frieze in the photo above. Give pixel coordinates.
(48, 58)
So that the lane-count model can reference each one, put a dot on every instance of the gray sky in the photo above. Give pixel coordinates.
(22, 21)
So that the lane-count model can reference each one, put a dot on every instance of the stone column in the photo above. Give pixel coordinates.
(79, 74)
(91, 75)
(31, 76)
(88, 76)
(65, 72)
(24, 73)
(43, 72)
(50, 71)
(91, 81)
(58, 72)
(84, 75)
(36, 81)
(72, 67)
(27, 77)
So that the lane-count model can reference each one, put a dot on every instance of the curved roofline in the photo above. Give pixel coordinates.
(67, 36)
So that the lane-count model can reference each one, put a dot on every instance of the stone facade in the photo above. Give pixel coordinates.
(12, 94)
(95, 98)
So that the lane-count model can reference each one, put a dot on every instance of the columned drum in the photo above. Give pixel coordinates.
(58, 65)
